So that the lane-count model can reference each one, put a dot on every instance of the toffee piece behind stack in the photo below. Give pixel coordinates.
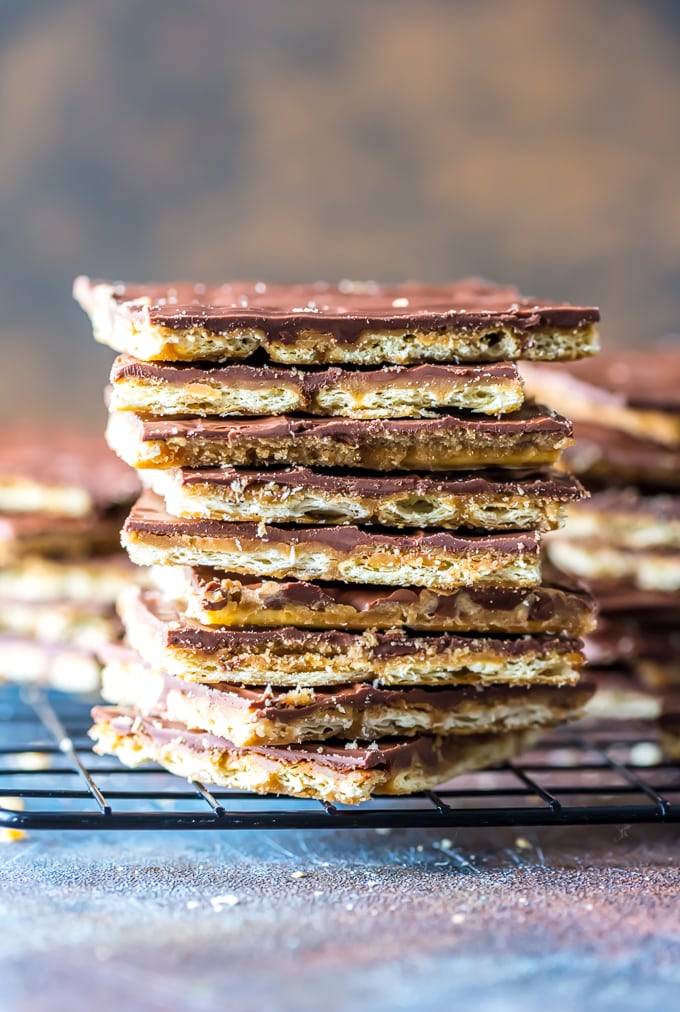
(625, 539)
(63, 497)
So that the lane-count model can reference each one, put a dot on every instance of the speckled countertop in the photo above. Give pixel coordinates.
(573, 918)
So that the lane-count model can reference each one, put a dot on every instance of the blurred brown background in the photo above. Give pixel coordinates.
(530, 141)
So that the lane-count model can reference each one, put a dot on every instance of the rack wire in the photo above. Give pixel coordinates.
(599, 774)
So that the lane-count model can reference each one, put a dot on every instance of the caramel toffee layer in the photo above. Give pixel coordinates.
(359, 555)
(60, 472)
(557, 605)
(634, 391)
(533, 436)
(167, 640)
(331, 772)
(486, 500)
(334, 323)
(252, 716)
(175, 388)
(27, 534)
(606, 455)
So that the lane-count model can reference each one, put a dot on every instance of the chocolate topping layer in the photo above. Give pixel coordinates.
(174, 630)
(216, 589)
(549, 484)
(308, 381)
(390, 754)
(148, 516)
(284, 312)
(528, 419)
(59, 458)
(284, 705)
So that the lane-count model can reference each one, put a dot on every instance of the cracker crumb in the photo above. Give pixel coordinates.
(445, 844)
(523, 844)
(228, 900)
(298, 874)
(457, 918)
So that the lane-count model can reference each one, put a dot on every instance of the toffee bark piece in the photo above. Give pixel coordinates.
(530, 437)
(57, 537)
(616, 595)
(620, 696)
(626, 518)
(636, 392)
(166, 640)
(353, 322)
(606, 456)
(441, 560)
(329, 772)
(629, 637)
(174, 388)
(64, 666)
(596, 559)
(558, 605)
(61, 472)
(477, 501)
(83, 623)
(98, 579)
(359, 711)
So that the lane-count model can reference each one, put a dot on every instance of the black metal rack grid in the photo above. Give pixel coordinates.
(603, 774)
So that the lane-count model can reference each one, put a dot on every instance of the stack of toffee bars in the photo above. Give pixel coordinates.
(345, 494)
(624, 541)
(63, 497)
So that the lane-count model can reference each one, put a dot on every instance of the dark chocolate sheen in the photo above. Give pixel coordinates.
(285, 312)
(550, 484)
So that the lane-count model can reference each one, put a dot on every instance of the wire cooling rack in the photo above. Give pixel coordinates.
(603, 774)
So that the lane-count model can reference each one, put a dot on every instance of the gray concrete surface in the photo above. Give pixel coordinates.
(490, 920)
